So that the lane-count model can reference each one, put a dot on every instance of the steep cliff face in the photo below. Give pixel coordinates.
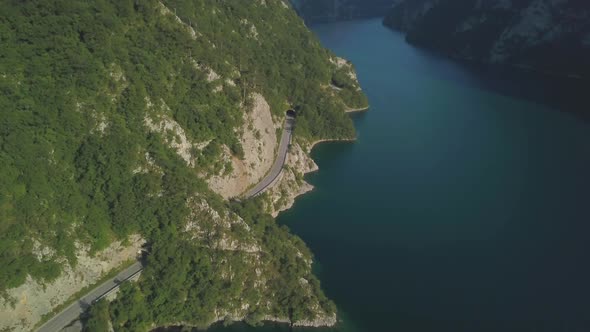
(546, 35)
(290, 183)
(333, 10)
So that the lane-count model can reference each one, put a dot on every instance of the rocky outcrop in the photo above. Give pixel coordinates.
(327, 320)
(550, 36)
(175, 137)
(257, 137)
(290, 183)
(217, 229)
(346, 66)
(24, 306)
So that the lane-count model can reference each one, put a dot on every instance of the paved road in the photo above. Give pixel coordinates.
(71, 313)
(279, 162)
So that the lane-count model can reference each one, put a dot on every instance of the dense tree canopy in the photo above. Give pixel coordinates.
(77, 81)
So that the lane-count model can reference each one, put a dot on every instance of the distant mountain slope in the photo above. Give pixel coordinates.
(546, 35)
(333, 10)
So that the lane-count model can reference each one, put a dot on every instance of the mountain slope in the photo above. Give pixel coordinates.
(551, 36)
(116, 118)
(332, 10)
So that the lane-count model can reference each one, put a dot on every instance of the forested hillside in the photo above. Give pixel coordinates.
(550, 36)
(332, 10)
(81, 82)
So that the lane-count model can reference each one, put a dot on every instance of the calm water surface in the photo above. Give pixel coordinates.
(464, 204)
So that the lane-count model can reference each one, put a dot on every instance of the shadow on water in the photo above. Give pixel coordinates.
(561, 93)
(558, 92)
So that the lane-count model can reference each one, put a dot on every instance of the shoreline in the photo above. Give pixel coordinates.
(354, 110)
(319, 322)
(347, 110)
(307, 187)
(326, 140)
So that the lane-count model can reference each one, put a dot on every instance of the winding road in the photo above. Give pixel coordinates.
(74, 310)
(277, 167)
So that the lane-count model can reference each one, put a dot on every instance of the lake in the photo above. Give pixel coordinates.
(462, 206)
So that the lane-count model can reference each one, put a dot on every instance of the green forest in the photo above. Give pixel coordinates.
(76, 82)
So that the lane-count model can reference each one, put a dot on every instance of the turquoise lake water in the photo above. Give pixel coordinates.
(464, 204)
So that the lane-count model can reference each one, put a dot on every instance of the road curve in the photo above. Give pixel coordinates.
(277, 167)
(73, 311)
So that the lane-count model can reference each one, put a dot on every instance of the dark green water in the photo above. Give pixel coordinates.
(464, 204)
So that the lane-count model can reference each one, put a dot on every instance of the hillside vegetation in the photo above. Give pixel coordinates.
(333, 10)
(80, 83)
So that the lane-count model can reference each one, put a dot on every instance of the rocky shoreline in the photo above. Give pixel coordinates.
(290, 183)
(326, 321)
(356, 110)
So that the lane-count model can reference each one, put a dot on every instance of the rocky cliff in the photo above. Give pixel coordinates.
(551, 36)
